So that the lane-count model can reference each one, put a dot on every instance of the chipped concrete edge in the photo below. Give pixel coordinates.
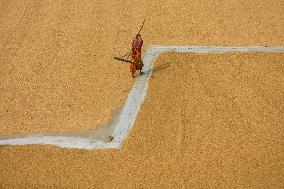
(133, 102)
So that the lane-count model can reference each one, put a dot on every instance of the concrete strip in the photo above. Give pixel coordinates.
(61, 141)
(132, 105)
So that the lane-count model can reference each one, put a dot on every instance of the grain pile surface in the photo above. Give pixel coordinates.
(208, 121)
(57, 67)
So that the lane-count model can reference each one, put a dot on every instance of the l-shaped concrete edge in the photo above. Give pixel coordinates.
(132, 105)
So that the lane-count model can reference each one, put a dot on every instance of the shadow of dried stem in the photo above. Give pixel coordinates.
(161, 67)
